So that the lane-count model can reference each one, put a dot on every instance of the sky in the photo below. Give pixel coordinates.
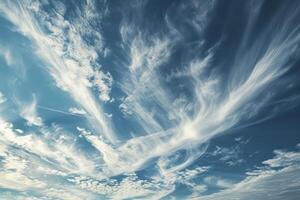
(149, 99)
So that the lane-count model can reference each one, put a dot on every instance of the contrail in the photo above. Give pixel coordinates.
(59, 111)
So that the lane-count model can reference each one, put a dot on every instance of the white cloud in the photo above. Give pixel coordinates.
(79, 111)
(129, 187)
(7, 55)
(215, 111)
(170, 123)
(17, 181)
(15, 163)
(2, 98)
(29, 113)
(283, 158)
(66, 194)
(103, 82)
(13, 169)
(217, 182)
(231, 156)
(70, 60)
(61, 154)
(73, 64)
(279, 179)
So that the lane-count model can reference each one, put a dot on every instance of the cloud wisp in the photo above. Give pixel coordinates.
(169, 92)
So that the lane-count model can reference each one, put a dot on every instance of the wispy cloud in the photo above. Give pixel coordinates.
(165, 88)
(29, 113)
(7, 55)
(77, 111)
(231, 156)
(259, 183)
(2, 98)
(70, 60)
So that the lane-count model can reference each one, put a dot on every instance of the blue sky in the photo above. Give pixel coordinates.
(138, 99)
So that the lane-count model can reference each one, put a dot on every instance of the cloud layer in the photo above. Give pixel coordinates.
(125, 111)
